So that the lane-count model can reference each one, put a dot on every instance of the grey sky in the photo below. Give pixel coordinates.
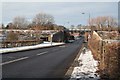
(63, 12)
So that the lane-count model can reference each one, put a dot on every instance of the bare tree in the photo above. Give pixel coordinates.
(103, 22)
(10, 26)
(20, 22)
(111, 22)
(43, 19)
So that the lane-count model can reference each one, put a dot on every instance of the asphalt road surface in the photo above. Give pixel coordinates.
(50, 62)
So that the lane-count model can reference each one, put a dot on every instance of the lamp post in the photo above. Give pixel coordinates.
(88, 18)
(88, 22)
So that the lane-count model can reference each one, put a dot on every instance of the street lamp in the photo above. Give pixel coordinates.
(88, 17)
(88, 23)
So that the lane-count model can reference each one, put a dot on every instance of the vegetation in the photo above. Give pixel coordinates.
(95, 45)
(112, 60)
(107, 53)
(12, 36)
(114, 35)
(20, 22)
(41, 21)
(104, 23)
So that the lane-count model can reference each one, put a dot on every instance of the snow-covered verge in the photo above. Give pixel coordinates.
(42, 45)
(87, 67)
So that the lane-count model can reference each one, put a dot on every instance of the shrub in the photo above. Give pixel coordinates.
(12, 36)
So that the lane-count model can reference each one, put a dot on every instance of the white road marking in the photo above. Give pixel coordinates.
(42, 53)
(8, 62)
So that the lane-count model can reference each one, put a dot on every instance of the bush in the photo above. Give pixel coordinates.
(11, 36)
(112, 59)
(108, 55)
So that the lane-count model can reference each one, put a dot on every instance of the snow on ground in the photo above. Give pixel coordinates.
(87, 67)
(45, 44)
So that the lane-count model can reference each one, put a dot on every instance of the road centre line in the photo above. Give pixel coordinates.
(8, 62)
(42, 53)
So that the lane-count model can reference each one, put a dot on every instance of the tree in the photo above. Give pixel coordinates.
(56, 27)
(10, 26)
(20, 22)
(111, 23)
(42, 19)
(61, 28)
(103, 22)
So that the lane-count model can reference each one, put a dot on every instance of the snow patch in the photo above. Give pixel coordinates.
(42, 45)
(87, 67)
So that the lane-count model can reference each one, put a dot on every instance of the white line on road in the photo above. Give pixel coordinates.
(14, 60)
(42, 53)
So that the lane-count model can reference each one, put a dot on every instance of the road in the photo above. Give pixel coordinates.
(40, 63)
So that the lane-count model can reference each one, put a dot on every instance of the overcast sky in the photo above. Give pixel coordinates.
(63, 12)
